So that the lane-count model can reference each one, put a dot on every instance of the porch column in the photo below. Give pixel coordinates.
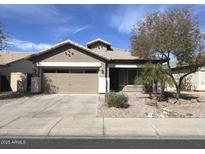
(108, 78)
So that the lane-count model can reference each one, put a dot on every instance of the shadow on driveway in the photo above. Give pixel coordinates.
(14, 95)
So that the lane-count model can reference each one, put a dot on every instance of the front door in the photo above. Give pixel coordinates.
(114, 79)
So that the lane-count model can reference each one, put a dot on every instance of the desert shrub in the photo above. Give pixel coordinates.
(154, 74)
(118, 100)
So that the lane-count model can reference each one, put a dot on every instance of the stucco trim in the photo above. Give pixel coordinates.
(124, 66)
(108, 84)
(102, 85)
(68, 64)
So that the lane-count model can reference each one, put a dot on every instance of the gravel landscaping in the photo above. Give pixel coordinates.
(191, 106)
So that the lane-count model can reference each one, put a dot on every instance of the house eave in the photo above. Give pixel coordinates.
(31, 57)
(68, 64)
(136, 60)
(98, 40)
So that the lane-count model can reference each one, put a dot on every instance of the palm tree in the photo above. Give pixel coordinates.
(154, 74)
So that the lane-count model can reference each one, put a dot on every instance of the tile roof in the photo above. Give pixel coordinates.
(63, 43)
(8, 57)
(117, 54)
(113, 54)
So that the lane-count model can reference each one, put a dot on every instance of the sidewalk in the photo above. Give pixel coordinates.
(143, 128)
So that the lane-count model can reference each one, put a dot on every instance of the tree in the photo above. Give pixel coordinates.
(154, 74)
(2, 38)
(174, 33)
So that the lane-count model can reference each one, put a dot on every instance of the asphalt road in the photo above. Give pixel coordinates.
(100, 144)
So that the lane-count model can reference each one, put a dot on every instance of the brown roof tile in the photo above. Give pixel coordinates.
(8, 57)
(117, 54)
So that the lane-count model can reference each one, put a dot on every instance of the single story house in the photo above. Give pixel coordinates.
(69, 67)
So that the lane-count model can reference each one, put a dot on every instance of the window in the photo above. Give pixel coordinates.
(131, 76)
(122, 77)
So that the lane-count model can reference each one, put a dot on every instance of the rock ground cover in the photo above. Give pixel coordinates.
(192, 105)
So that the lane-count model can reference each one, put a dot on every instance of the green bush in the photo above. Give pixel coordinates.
(118, 100)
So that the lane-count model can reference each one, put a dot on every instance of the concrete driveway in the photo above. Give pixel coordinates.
(56, 105)
(38, 115)
(48, 116)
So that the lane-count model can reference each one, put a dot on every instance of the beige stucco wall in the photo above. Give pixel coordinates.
(69, 53)
(189, 80)
(15, 72)
(24, 66)
(70, 83)
(201, 79)
(194, 80)
(18, 82)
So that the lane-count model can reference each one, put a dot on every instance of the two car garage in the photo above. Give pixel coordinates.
(70, 81)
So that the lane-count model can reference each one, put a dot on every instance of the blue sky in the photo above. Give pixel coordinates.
(35, 27)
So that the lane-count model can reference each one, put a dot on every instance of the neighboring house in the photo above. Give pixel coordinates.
(14, 70)
(69, 67)
(193, 82)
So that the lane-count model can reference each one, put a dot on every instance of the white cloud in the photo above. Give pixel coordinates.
(66, 30)
(34, 14)
(27, 46)
(50, 19)
(77, 30)
(70, 29)
(126, 16)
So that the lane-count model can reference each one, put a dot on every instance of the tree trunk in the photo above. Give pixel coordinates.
(155, 87)
(162, 89)
(150, 94)
(178, 88)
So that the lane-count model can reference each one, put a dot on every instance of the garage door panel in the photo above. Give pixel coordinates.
(70, 83)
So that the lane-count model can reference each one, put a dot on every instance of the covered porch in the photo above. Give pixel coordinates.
(122, 75)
